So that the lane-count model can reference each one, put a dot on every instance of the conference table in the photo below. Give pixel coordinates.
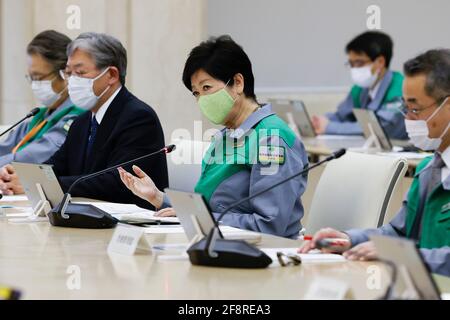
(46, 262)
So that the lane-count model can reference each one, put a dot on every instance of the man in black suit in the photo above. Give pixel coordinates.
(118, 128)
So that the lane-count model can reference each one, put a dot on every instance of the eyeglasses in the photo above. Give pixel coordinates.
(405, 109)
(64, 74)
(32, 78)
(288, 259)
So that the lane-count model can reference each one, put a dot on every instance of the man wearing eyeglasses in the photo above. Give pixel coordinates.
(116, 128)
(425, 214)
(375, 88)
(36, 140)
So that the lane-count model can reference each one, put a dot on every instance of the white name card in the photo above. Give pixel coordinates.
(128, 240)
(328, 289)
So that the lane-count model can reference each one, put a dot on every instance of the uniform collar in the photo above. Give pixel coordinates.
(66, 104)
(446, 158)
(373, 92)
(379, 91)
(249, 123)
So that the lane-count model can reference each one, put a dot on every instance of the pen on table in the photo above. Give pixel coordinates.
(335, 242)
(153, 223)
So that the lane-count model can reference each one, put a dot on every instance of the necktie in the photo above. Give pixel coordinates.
(92, 134)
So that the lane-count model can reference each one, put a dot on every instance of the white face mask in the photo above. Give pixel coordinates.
(81, 91)
(44, 93)
(418, 132)
(363, 76)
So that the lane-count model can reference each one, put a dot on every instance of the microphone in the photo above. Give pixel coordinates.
(215, 251)
(32, 113)
(72, 215)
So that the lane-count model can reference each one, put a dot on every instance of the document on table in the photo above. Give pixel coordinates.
(164, 229)
(15, 198)
(338, 137)
(306, 258)
(130, 212)
(15, 212)
(406, 155)
(229, 233)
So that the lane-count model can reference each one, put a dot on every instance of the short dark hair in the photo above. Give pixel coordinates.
(374, 44)
(52, 46)
(435, 65)
(104, 49)
(222, 58)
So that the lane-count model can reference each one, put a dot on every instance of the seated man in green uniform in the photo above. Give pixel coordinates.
(376, 88)
(425, 214)
(255, 150)
(36, 140)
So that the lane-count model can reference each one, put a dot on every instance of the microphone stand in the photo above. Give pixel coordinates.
(32, 113)
(74, 215)
(215, 251)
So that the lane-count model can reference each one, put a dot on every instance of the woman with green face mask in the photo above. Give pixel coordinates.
(254, 150)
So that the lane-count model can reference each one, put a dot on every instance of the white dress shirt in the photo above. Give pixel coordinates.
(373, 92)
(102, 110)
(446, 169)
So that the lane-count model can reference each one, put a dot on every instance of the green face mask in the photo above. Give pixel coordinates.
(216, 106)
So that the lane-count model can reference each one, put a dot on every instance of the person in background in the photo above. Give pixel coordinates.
(36, 140)
(254, 150)
(375, 88)
(118, 127)
(425, 214)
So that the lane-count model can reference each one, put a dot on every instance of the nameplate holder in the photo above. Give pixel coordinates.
(328, 289)
(129, 240)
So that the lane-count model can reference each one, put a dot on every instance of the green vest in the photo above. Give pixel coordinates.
(436, 215)
(54, 119)
(227, 157)
(393, 93)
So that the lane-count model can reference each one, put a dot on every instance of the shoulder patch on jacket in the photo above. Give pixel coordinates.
(271, 154)
(67, 125)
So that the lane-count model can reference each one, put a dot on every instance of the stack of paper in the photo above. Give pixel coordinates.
(306, 258)
(406, 155)
(130, 212)
(16, 198)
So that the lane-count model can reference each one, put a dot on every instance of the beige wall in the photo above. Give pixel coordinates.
(16, 29)
(157, 34)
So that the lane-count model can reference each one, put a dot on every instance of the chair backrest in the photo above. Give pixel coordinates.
(354, 192)
(185, 164)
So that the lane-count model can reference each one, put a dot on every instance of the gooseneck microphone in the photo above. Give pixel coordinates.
(73, 215)
(32, 113)
(166, 150)
(218, 252)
